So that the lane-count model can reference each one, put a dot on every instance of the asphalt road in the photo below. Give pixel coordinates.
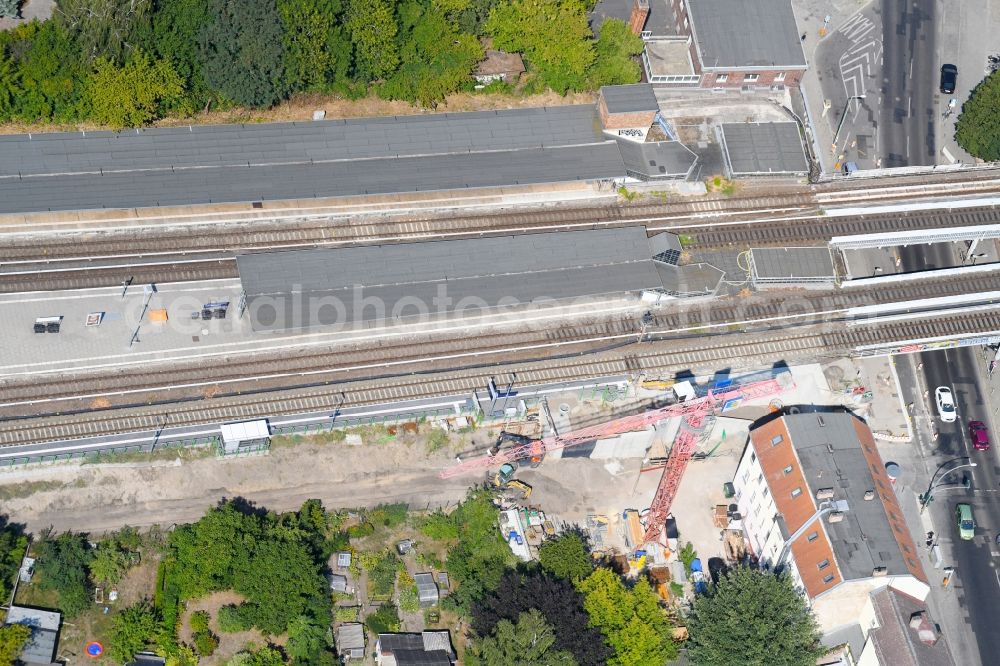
(909, 80)
(978, 586)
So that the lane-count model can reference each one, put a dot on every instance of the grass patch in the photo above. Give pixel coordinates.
(685, 240)
(627, 194)
(183, 453)
(722, 185)
(27, 489)
(437, 439)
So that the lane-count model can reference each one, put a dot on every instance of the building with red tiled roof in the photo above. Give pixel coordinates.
(815, 499)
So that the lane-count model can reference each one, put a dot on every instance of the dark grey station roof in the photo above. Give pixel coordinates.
(631, 98)
(741, 33)
(237, 163)
(831, 457)
(655, 160)
(302, 289)
(754, 149)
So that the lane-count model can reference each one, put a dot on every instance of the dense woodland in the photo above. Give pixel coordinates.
(126, 63)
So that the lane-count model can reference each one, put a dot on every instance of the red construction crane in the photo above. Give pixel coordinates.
(695, 423)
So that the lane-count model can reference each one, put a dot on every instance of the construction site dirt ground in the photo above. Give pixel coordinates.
(101, 497)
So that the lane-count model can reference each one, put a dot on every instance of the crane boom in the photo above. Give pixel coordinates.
(695, 408)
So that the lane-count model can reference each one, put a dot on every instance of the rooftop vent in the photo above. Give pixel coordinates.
(925, 629)
(822, 423)
(879, 572)
(836, 516)
(824, 493)
(869, 495)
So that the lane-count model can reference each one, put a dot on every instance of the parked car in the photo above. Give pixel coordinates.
(945, 404)
(980, 435)
(966, 524)
(949, 78)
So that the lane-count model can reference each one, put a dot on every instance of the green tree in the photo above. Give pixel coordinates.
(566, 556)
(528, 643)
(176, 30)
(436, 57)
(306, 640)
(110, 563)
(553, 35)
(280, 582)
(384, 620)
(242, 52)
(12, 639)
(317, 49)
(131, 630)
(616, 50)
(372, 27)
(13, 541)
(978, 127)
(51, 72)
(473, 14)
(266, 656)
(755, 618)
(632, 621)
(107, 29)
(63, 566)
(480, 556)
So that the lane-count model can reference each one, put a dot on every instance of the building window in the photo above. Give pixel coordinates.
(813, 536)
(796, 492)
(777, 439)
(765, 491)
(746, 476)
(760, 479)
(751, 77)
(823, 565)
(721, 78)
(828, 578)
(780, 76)
(788, 470)
(753, 457)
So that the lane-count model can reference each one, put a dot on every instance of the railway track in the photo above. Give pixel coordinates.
(176, 259)
(262, 369)
(632, 359)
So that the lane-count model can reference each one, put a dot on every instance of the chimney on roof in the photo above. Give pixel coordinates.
(836, 516)
(640, 12)
(926, 631)
(869, 495)
(824, 493)
(879, 572)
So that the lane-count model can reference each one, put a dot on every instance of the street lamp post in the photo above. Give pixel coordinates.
(843, 117)
(925, 499)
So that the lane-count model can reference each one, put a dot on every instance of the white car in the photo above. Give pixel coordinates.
(945, 404)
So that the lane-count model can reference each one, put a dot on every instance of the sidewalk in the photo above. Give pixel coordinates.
(967, 34)
(841, 64)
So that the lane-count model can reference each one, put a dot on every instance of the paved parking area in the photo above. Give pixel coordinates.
(967, 33)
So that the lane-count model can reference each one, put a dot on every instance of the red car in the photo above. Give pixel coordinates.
(979, 435)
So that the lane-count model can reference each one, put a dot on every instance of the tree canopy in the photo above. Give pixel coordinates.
(131, 630)
(274, 561)
(242, 52)
(631, 620)
(124, 63)
(755, 618)
(63, 566)
(978, 127)
(566, 556)
(553, 35)
(559, 603)
(530, 642)
(12, 639)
